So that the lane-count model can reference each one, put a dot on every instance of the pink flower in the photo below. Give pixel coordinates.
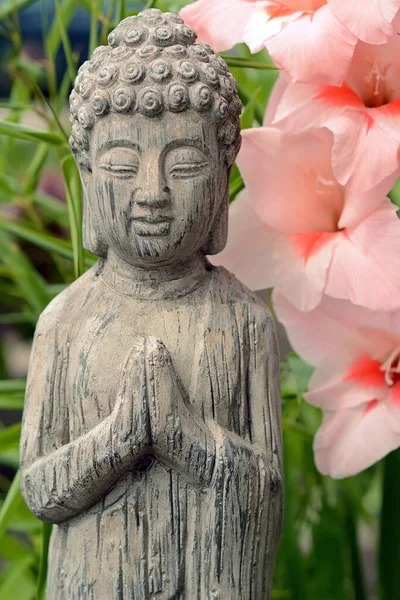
(297, 228)
(356, 382)
(313, 40)
(370, 21)
(363, 114)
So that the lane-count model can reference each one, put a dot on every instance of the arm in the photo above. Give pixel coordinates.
(60, 479)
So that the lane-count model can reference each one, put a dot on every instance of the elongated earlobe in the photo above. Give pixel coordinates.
(219, 232)
(92, 239)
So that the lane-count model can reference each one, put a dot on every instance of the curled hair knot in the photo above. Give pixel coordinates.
(177, 97)
(122, 99)
(150, 102)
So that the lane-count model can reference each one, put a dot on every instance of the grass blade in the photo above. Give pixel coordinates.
(93, 39)
(26, 278)
(42, 240)
(11, 7)
(71, 66)
(74, 203)
(41, 584)
(11, 503)
(12, 394)
(23, 132)
(245, 63)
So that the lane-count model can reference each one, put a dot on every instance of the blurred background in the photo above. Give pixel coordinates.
(332, 530)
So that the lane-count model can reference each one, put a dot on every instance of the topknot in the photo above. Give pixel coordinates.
(152, 64)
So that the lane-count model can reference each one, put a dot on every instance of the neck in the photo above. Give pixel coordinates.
(170, 281)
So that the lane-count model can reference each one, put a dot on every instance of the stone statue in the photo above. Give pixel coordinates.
(151, 434)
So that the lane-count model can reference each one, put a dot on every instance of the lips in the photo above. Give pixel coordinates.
(152, 225)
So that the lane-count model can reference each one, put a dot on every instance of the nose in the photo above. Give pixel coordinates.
(153, 191)
(152, 197)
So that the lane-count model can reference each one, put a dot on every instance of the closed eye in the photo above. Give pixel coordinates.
(186, 170)
(120, 169)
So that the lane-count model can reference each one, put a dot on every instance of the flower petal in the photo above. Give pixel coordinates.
(302, 281)
(358, 204)
(365, 268)
(350, 441)
(387, 117)
(303, 106)
(284, 173)
(346, 379)
(268, 19)
(248, 253)
(275, 98)
(315, 48)
(370, 21)
(219, 23)
(334, 325)
(363, 154)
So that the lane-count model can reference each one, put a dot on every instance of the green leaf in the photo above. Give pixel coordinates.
(358, 579)
(249, 112)
(53, 208)
(14, 106)
(15, 319)
(235, 187)
(289, 552)
(93, 39)
(11, 7)
(41, 583)
(12, 385)
(329, 548)
(301, 371)
(245, 63)
(53, 39)
(23, 132)
(12, 548)
(16, 581)
(8, 186)
(74, 203)
(35, 169)
(25, 276)
(42, 240)
(9, 438)
(71, 65)
(389, 544)
(12, 501)
(12, 394)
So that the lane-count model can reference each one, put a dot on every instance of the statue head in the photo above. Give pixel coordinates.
(155, 132)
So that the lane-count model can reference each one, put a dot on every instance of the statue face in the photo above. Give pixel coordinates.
(156, 185)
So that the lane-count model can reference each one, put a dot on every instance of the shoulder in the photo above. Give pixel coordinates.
(66, 305)
(237, 296)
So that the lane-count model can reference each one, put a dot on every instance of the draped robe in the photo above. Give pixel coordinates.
(154, 533)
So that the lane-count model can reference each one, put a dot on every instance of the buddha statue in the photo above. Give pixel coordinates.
(151, 431)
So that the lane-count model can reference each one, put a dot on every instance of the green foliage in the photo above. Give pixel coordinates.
(41, 252)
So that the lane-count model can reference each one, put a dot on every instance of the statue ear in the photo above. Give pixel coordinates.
(218, 235)
(92, 239)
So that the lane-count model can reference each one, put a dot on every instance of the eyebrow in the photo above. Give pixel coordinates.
(194, 142)
(119, 143)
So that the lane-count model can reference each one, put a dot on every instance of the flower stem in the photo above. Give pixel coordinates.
(389, 545)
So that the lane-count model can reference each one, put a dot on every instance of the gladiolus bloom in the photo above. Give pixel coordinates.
(297, 228)
(356, 382)
(312, 40)
(363, 114)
